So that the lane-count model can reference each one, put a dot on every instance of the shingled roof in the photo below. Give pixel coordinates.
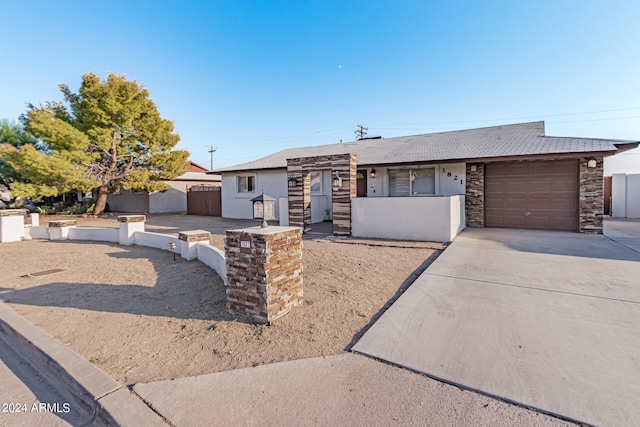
(522, 139)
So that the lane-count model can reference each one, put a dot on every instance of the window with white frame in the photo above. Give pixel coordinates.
(246, 183)
(412, 182)
(316, 182)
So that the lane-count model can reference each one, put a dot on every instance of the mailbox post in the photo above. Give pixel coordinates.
(264, 271)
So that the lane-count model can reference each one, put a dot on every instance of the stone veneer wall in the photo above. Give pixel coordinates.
(341, 198)
(591, 204)
(267, 282)
(300, 195)
(474, 196)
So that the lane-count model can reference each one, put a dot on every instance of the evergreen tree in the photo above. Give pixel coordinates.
(15, 135)
(108, 136)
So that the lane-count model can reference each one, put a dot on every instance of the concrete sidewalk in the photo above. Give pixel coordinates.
(544, 319)
(40, 369)
(346, 389)
(624, 231)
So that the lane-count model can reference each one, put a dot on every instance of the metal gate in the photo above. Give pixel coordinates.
(204, 200)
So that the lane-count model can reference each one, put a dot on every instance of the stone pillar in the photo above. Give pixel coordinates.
(264, 271)
(59, 230)
(12, 225)
(296, 195)
(299, 196)
(474, 195)
(591, 205)
(346, 166)
(189, 242)
(129, 224)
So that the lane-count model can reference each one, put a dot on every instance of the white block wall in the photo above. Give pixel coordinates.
(437, 218)
(625, 195)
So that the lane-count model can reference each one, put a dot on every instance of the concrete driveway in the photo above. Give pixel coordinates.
(543, 319)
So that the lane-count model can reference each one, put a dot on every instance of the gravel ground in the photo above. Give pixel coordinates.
(141, 317)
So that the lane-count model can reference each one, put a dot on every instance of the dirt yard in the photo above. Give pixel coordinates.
(141, 316)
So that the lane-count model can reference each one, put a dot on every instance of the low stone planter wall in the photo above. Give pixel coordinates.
(189, 245)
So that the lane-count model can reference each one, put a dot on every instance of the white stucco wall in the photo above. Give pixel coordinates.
(625, 195)
(172, 200)
(449, 180)
(238, 205)
(214, 258)
(319, 206)
(437, 218)
(283, 203)
(633, 196)
(95, 233)
(274, 184)
(12, 227)
(126, 201)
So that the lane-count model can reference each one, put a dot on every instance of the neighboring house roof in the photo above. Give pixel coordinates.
(194, 167)
(199, 176)
(523, 139)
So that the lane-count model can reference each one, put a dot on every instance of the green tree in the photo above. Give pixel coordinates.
(15, 135)
(108, 136)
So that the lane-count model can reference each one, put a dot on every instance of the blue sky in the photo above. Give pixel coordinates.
(255, 77)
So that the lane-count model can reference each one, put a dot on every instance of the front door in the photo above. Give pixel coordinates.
(362, 183)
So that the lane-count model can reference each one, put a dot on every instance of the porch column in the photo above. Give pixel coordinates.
(299, 195)
(346, 167)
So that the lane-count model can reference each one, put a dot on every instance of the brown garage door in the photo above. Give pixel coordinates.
(536, 195)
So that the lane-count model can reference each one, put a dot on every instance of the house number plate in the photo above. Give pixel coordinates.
(245, 243)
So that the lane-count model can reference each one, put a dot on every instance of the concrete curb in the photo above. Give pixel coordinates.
(111, 403)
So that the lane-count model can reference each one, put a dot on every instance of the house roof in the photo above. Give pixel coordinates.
(194, 167)
(523, 139)
(198, 176)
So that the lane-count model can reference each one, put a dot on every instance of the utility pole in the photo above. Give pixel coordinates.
(360, 133)
(212, 150)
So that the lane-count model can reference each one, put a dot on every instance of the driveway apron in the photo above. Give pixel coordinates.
(543, 319)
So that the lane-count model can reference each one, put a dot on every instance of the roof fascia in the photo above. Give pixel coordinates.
(626, 146)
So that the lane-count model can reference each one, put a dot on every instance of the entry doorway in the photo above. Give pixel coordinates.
(361, 183)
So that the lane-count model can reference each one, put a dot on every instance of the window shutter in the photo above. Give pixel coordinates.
(398, 183)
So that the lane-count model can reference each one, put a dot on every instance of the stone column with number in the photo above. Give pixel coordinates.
(264, 271)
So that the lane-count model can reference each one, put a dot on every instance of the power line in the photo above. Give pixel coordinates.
(508, 118)
(212, 150)
(360, 133)
(299, 137)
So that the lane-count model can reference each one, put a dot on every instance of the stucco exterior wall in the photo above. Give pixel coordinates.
(449, 179)
(633, 196)
(238, 205)
(436, 218)
(172, 200)
(127, 201)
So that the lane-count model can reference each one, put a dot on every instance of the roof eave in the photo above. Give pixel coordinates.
(626, 146)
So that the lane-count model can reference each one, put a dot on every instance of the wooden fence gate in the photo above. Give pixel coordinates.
(204, 200)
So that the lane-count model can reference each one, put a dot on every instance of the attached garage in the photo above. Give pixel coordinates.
(532, 194)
